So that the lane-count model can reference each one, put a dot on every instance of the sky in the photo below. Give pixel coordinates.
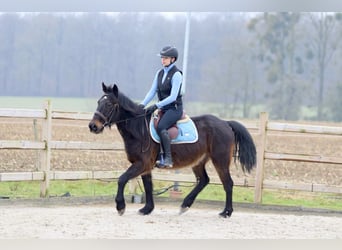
(174, 6)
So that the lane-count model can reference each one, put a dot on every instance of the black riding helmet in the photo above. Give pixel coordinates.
(169, 51)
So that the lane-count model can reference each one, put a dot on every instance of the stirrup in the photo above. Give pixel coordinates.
(161, 164)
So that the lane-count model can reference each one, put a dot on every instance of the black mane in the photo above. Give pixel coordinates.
(132, 117)
(128, 105)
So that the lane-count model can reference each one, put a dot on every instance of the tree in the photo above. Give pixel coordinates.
(8, 31)
(232, 69)
(322, 47)
(277, 35)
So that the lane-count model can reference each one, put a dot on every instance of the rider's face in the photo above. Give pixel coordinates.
(166, 61)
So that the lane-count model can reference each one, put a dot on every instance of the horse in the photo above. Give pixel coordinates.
(218, 141)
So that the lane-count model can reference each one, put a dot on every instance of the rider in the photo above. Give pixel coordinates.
(167, 85)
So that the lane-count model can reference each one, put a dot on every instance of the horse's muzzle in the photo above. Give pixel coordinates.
(95, 128)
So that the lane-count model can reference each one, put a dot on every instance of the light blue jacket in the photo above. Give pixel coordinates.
(176, 82)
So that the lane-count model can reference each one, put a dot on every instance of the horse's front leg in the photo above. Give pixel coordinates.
(133, 171)
(148, 186)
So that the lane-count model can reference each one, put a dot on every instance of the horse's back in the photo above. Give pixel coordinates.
(209, 121)
(212, 127)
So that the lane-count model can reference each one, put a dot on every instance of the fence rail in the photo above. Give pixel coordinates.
(263, 126)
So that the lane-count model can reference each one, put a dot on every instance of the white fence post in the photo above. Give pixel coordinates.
(259, 178)
(46, 155)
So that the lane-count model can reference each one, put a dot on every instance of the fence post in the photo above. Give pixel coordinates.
(45, 156)
(36, 138)
(260, 157)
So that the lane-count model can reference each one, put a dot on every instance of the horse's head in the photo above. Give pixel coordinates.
(107, 111)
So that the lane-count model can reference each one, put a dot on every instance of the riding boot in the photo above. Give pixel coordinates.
(166, 144)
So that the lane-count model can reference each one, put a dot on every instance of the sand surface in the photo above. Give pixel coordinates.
(103, 222)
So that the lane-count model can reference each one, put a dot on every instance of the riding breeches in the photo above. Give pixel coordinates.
(169, 118)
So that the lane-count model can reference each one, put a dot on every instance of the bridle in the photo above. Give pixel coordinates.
(108, 122)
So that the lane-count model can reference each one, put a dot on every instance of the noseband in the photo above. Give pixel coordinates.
(107, 121)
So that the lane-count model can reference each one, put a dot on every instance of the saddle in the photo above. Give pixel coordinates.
(184, 131)
(173, 131)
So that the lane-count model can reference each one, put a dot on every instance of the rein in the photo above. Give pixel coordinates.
(108, 123)
(132, 118)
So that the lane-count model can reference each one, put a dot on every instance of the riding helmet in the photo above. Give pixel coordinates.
(169, 51)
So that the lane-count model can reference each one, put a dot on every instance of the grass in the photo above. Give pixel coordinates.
(212, 192)
(31, 189)
(58, 103)
(303, 199)
(275, 197)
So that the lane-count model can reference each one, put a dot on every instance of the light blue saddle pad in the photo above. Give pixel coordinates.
(187, 131)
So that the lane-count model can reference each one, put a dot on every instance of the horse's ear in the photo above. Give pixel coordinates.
(104, 87)
(116, 90)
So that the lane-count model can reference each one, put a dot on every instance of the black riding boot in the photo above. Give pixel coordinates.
(166, 144)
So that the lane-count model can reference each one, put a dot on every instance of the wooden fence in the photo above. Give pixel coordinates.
(263, 126)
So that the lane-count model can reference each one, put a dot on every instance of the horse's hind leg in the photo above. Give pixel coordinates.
(222, 167)
(148, 186)
(228, 187)
(202, 181)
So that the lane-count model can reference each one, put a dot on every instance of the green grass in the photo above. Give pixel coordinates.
(303, 199)
(58, 103)
(212, 192)
(275, 197)
(19, 189)
(31, 189)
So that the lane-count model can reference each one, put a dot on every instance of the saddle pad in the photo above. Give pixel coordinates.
(187, 131)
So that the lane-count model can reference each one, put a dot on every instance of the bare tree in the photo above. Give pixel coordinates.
(278, 41)
(322, 48)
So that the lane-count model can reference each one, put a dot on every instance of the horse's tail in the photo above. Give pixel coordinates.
(244, 146)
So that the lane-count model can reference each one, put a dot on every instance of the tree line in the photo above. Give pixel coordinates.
(284, 63)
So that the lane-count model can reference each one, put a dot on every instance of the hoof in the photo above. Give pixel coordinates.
(225, 214)
(143, 213)
(146, 210)
(183, 210)
(121, 211)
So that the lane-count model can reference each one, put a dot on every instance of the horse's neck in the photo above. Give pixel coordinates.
(122, 128)
(132, 129)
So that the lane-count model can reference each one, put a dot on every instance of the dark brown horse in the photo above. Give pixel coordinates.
(218, 141)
